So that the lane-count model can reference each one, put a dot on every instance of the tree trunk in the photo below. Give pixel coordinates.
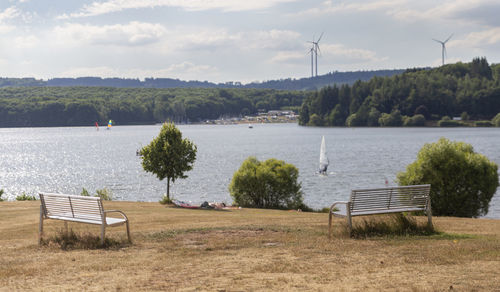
(168, 188)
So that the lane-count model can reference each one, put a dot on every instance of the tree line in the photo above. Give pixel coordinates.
(466, 90)
(83, 106)
(309, 83)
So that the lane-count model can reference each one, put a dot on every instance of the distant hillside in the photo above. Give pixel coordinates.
(468, 91)
(311, 83)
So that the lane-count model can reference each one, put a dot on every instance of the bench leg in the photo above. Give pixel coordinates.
(128, 232)
(349, 224)
(429, 214)
(103, 233)
(40, 226)
(330, 225)
(349, 219)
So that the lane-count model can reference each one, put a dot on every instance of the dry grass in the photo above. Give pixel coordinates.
(241, 250)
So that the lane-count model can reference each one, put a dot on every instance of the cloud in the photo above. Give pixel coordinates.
(221, 39)
(343, 54)
(330, 53)
(476, 11)
(288, 57)
(6, 28)
(331, 7)
(26, 42)
(110, 6)
(131, 34)
(479, 39)
(9, 13)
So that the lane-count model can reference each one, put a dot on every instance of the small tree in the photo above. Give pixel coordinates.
(1, 193)
(270, 184)
(462, 181)
(168, 155)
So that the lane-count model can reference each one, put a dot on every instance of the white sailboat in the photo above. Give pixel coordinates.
(323, 159)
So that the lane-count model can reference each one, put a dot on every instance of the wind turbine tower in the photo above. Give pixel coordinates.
(314, 53)
(443, 46)
(311, 51)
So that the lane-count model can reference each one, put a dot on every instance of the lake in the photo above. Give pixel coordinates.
(71, 158)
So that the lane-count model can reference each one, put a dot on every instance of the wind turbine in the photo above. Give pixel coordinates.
(311, 51)
(443, 46)
(316, 49)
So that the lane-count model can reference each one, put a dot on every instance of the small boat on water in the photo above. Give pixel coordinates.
(250, 126)
(323, 158)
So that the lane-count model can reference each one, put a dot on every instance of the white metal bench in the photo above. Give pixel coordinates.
(81, 209)
(383, 201)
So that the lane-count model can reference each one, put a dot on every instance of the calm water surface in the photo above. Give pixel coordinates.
(69, 159)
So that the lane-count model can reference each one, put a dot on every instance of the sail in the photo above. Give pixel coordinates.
(323, 159)
(110, 123)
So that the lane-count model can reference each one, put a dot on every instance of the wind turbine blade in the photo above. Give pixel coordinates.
(317, 47)
(320, 37)
(437, 41)
(448, 38)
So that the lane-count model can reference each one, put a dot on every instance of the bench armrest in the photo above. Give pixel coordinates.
(337, 203)
(116, 211)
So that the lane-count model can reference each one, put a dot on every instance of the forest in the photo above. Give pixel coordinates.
(450, 95)
(83, 106)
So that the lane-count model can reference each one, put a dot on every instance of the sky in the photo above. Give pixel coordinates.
(238, 40)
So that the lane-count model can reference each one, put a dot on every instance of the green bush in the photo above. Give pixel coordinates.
(415, 121)
(355, 120)
(462, 181)
(483, 124)
(1, 193)
(104, 194)
(315, 121)
(271, 184)
(394, 119)
(447, 122)
(25, 197)
(165, 200)
(85, 192)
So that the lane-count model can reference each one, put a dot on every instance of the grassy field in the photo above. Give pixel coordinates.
(244, 250)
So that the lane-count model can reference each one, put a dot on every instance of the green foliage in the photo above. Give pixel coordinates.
(483, 124)
(391, 120)
(104, 194)
(448, 122)
(83, 106)
(355, 120)
(168, 155)
(85, 192)
(448, 90)
(315, 121)
(165, 200)
(1, 193)
(464, 116)
(269, 184)
(415, 121)
(496, 120)
(462, 181)
(26, 197)
(373, 117)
